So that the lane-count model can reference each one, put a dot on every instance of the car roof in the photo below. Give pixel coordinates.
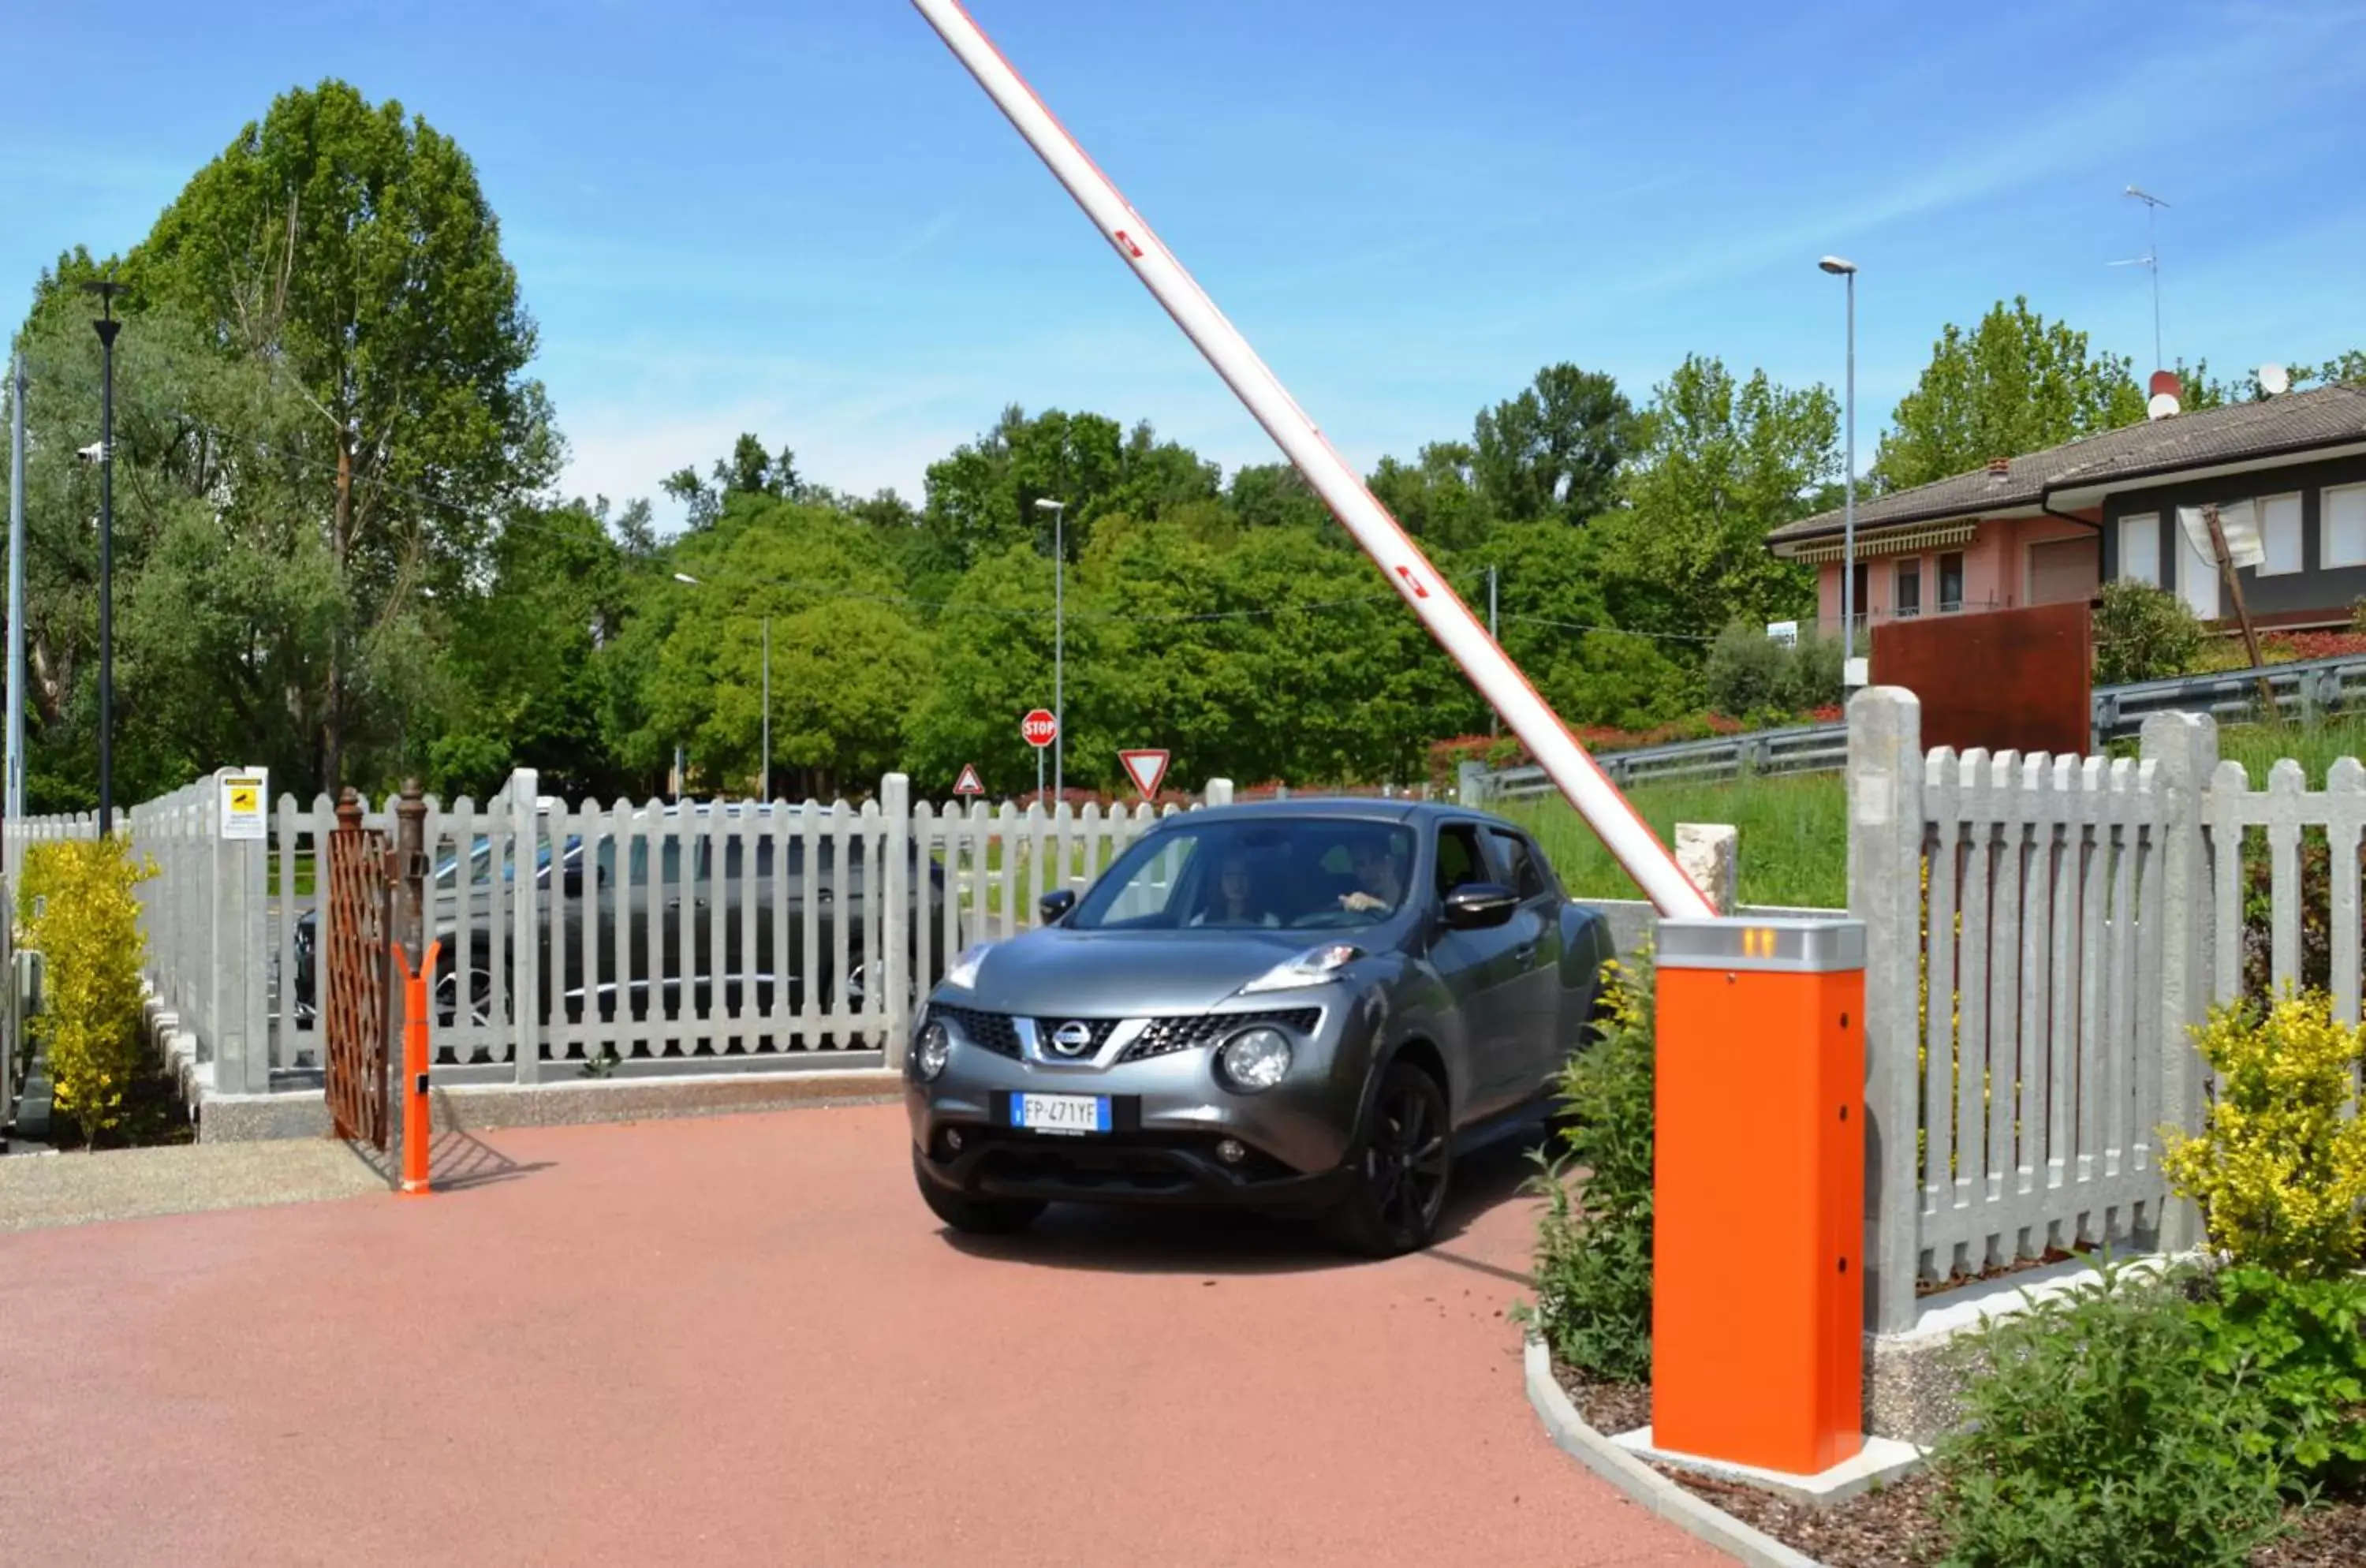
(1352, 808)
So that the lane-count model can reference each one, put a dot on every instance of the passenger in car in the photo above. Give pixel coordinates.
(1235, 902)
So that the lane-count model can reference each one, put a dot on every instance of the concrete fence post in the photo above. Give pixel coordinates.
(2184, 749)
(1218, 793)
(526, 921)
(1885, 883)
(1709, 854)
(1470, 784)
(896, 924)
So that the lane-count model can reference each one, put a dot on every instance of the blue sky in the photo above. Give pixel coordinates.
(804, 219)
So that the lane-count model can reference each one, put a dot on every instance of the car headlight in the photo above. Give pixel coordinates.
(1254, 1059)
(962, 972)
(1315, 966)
(929, 1056)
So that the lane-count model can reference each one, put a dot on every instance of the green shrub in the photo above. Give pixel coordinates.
(1750, 674)
(2279, 1171)
(1594, 1245)
(75, 907)
(2143, 633)
(2302, 1344)
(2095, 1436)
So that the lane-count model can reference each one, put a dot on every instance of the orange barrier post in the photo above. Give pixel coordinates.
(1758, 1299)
(417, 1132)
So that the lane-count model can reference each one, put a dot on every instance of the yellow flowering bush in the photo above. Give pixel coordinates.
(2279, 1172)
(75, 907)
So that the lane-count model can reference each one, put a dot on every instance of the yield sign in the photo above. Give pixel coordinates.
(1146, 769)
(969, 782)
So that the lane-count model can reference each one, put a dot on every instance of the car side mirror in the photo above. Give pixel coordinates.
(1055, 905)
(1477, 905)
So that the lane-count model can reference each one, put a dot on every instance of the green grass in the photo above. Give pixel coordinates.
(1793, 836)
(1795, 828)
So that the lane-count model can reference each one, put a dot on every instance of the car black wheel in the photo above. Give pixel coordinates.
(1402, 1167)
(970, 1215)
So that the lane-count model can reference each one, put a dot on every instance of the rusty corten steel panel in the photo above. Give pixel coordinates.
(2017, 679)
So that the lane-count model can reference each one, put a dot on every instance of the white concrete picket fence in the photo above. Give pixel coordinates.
(2082, 914)
(663, 944)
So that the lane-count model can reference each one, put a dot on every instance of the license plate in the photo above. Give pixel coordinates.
(1074, 1113)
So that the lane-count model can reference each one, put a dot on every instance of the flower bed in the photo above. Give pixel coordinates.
(1898, 1525)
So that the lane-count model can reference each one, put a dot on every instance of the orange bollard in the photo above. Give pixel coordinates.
(1758, 1295)
(417, 1133)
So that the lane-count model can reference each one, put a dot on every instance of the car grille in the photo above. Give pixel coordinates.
(994, 1031)
(999, 1032)
(1165, 1035)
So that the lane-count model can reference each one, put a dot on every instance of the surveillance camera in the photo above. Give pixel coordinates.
(92, 453)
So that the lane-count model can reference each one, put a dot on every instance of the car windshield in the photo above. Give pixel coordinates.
(1277, 874)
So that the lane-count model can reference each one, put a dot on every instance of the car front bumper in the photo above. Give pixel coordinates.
(1170, 1118)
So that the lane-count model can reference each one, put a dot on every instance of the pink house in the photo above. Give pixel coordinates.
(2053, 525)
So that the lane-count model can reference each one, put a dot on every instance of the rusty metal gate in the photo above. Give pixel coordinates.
(354, 978)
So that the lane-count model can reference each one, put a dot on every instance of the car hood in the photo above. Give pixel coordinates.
(1123, 974)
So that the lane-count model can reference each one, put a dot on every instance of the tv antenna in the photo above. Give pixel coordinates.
(2150, 261)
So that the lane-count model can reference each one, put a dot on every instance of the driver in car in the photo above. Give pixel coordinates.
(1383, 879)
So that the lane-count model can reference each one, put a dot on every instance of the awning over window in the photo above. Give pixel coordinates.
(1890, 541)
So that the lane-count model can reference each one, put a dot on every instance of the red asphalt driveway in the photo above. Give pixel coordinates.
(743, 1340)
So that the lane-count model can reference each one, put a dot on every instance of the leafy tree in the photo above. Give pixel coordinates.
(1554, 450)
(850, 657)
(1722, 462)
(351, 251)
(1266, 495)
(522, 687)
(1436, 499)
(2015, 383)
(982, 499)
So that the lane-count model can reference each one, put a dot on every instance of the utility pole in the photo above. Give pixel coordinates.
(13, 805)
(107, 327)
(764, 790)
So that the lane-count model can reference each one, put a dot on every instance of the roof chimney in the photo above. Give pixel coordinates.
(2000, 467)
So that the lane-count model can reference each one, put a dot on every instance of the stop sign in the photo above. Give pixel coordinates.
(1039, 727)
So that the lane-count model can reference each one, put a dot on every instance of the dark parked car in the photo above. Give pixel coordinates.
(669, 906)
(1303, 1005)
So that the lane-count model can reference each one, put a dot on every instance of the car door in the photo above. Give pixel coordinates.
(1480, 969)
(1533, 991)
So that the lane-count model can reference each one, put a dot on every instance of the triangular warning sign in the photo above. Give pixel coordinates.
(1146, 769)
(969, 782)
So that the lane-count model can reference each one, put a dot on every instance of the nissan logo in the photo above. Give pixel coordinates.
(1072, 1038)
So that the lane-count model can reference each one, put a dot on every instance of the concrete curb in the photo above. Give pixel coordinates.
(1642, 1483)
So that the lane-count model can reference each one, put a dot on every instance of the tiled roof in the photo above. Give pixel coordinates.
(2323, 416)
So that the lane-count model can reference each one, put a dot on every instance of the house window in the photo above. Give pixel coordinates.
(2345, 525)
(2140, 548)
(1864, 589)
(1951, 583)
(2280, 536)
(1907, 599)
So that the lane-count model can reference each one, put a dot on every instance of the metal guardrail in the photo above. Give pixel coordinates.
(2303, 689)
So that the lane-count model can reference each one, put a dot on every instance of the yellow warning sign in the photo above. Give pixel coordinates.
(243, 793)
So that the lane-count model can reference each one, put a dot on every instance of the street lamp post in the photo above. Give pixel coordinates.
(1847, 270)
(107, 327)
(1059, 510)
(764, 777)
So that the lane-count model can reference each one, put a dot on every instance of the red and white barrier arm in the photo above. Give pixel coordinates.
(1408, 570)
